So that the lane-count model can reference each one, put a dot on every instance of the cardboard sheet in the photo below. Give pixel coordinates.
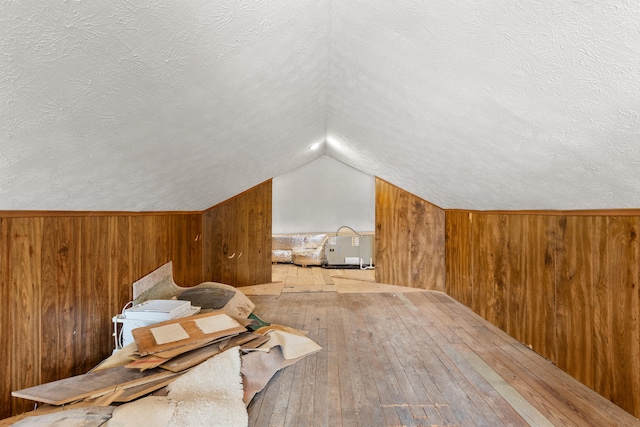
(169, 333)
(185, 331)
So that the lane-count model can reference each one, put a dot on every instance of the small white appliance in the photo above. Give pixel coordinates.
(146, 314)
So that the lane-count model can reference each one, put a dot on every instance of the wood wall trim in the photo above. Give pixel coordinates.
(586, 212)
(45, 214)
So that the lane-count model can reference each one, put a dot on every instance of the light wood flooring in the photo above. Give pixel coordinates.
(395, 358)
(290, 278)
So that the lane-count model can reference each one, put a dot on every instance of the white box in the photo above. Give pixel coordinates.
(158, 310)
(123, 335)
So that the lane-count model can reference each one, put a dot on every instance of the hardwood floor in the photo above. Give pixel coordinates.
(413, 359)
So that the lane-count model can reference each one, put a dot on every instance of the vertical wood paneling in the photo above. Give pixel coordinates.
(6, 311)
(410, 239)
(427, 244)
(163, 238)
(257, 225)
(574, 298)
(571, 289)
(383, 249)
(143, 245)
(516, 309)
(623, 257)
(24, 267)
(120, 266)
(49, 308)
(500, 276)
(479, 257)
(453, 260)
(212, 229)
(96, 280)
(186, 253)
(225, 253)
(458, 256)
(64, 277)
(539, 279)
(399, 233)
(265, 232)
(60, 300)
(393, 244)
(603, 351)
(254, 266)
(237, 238)
(243, 251)
(489, 283)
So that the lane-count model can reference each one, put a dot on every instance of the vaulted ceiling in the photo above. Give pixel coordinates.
(178, 105)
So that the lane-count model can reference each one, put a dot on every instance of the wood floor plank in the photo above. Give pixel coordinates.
(320, 393)
(386, 384)
(499, 348)
(396, 356)
(347, 401)
(528, 413)
(415, 359)
(286, 406)
(493, 407)
(432, 401)
(488, 342)
(455, 395)
(576, 396)
(294, 393)
(269, 407)
(391, 398)
(275, 408)
(406, 313)
(361, 403)
(366, 355)
(334, 408)
(307, 401)
(326, 277)
(318, 278)
(320, 409)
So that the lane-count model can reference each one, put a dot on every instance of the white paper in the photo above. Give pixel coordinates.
(216, 323)
(292, 345)
(169, 333)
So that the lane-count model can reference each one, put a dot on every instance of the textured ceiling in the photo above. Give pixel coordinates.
(490, 105)
(156, 105)
(179, 105)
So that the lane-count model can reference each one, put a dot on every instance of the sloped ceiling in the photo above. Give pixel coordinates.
(156, 105)
(178, 105)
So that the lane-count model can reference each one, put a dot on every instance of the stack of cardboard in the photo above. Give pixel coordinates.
(164, 351)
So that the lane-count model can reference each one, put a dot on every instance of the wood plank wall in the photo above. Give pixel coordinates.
(410, 239)
(62, 278)
(64, 275)
(565, 284)
(237, 245)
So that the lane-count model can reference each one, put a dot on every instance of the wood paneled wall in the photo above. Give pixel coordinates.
(64, 275)
(237, 245)
(567, 285)
(410, 246)
(62, 278)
